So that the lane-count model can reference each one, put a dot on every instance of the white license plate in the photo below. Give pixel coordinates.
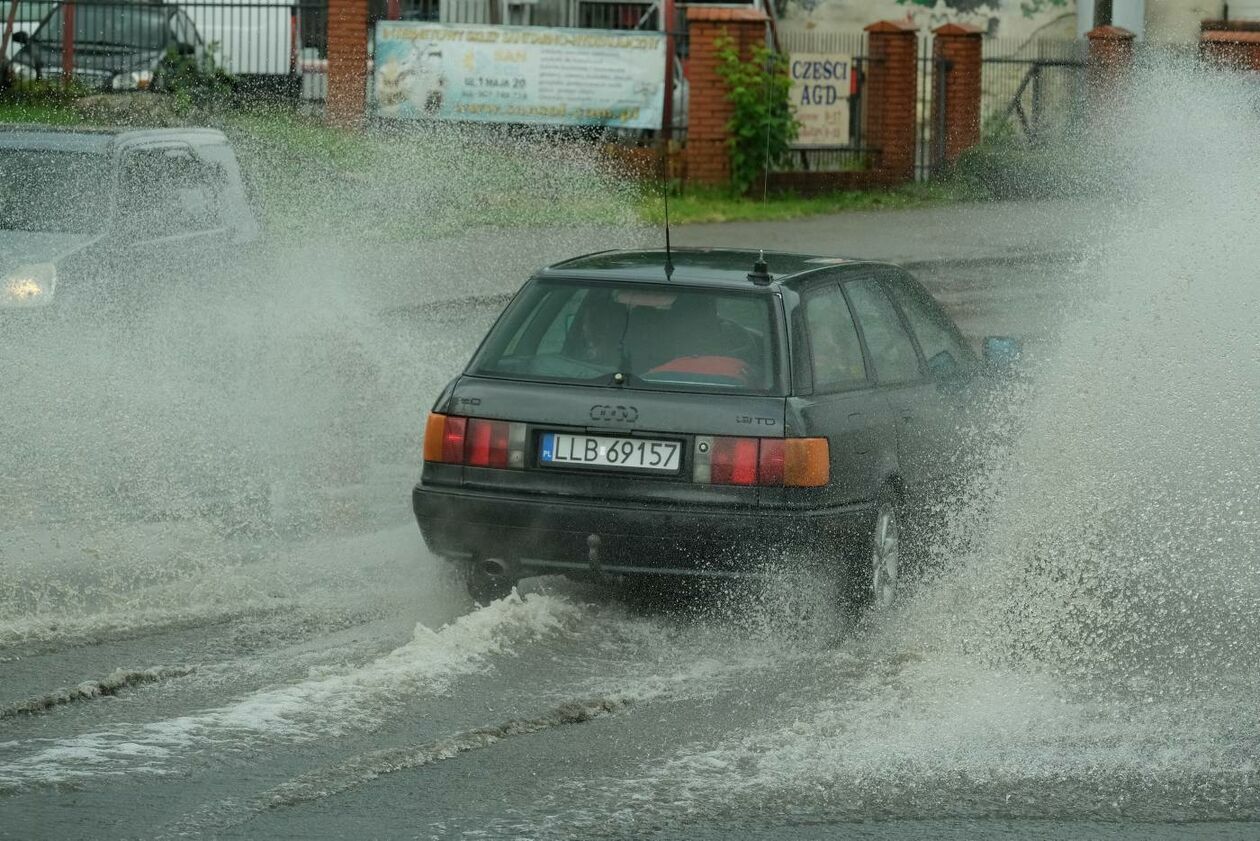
(558, 449)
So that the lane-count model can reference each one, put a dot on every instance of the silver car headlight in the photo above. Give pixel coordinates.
(136, 80)
(32, 285)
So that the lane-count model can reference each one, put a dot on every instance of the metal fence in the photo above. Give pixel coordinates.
(129, 44)
(855, 154)
(1031, 90)
(603, 15)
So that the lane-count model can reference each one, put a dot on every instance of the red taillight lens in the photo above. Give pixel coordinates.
(499, 444)
(770, 462)
(477, 443)
(734, 461)
(453, 440)
(487, 444)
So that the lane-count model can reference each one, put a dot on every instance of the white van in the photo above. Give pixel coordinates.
(253, 40)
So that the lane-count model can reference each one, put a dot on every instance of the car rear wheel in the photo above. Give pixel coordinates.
(876, 564)
(885, 554)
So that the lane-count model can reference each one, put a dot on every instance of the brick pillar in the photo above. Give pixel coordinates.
(1235, 49)
(959, 45)
(1107, 65)
(346, 104)
(891, 97)
(708, 156)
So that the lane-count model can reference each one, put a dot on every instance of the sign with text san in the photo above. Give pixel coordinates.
(519, 74)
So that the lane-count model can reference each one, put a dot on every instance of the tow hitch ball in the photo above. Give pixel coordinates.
(592, 554)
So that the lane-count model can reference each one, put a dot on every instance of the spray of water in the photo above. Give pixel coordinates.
(156, 451)
(1119, 537)
(1090, 645)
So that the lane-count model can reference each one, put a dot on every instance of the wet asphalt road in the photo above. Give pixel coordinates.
(333, 682)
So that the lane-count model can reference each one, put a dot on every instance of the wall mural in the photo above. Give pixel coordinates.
(1018, 19)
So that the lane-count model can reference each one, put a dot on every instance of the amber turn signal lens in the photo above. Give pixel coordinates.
(434, 434)
(806, 462)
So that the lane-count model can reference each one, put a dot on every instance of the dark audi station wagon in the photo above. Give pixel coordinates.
(720, 413)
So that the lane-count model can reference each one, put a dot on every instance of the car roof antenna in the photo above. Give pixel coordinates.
(760, 273)
(669, 257)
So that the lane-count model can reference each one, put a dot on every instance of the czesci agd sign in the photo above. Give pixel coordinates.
(821, 85)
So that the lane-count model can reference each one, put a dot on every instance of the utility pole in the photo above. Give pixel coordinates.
(667, 108)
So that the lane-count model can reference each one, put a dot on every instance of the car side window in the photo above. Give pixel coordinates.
(946, 353)
(834, 349)
(892, 351)
(166, 192)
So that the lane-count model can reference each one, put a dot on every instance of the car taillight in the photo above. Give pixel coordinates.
(734, 461)
(477, 442)
(773, 462)
(453, 440)
(770, 462)
(806, 462)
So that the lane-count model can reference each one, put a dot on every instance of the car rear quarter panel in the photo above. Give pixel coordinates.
(861, 440)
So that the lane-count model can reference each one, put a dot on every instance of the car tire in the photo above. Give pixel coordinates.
(876, 568)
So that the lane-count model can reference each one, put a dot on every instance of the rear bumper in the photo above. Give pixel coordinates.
(540, 534)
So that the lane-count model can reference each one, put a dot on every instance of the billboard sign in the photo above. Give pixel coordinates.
(821, 85)
(519, 74)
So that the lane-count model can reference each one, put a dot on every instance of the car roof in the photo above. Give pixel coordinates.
(97, 139)
(723, 267)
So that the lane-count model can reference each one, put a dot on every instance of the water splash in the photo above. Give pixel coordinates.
(1121, 534)
(184, 435)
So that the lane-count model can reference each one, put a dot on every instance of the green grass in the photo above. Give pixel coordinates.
(414, 183)
(716, 205)
(390, 186)
(47, 114)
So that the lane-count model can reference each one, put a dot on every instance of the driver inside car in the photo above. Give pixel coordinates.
(596, 335)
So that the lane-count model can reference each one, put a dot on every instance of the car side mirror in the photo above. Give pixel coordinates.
(943, 365)
(1002, 353)
(20, 37)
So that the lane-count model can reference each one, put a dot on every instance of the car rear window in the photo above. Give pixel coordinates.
(656, 337)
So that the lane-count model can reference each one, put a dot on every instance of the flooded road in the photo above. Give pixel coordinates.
(164, 677)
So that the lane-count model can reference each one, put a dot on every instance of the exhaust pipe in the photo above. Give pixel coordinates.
(495, 567)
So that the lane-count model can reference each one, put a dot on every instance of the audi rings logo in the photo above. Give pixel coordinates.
(614, 414)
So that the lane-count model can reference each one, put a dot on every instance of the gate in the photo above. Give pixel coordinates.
(1031, 91)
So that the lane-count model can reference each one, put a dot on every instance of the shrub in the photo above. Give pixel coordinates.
(195, 82)
(762, 126)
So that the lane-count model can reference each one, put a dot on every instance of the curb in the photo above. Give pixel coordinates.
(1036, 257)
(501, 298)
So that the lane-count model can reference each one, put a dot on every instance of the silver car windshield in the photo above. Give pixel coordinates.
(62, 192)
